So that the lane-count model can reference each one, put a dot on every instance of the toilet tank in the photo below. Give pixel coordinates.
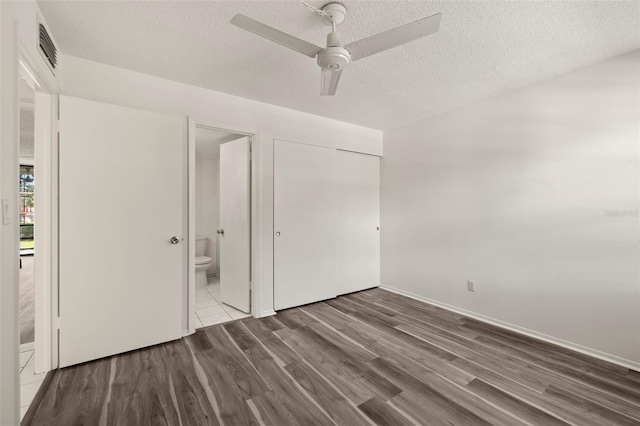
(201, 245)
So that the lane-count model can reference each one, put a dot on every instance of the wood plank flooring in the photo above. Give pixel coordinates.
(372, 357)
(27, 300)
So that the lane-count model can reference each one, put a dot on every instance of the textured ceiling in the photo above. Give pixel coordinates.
(482, 49)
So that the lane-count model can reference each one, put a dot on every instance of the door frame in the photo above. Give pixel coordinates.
(18, 47)
(255, 211)
(45, 343)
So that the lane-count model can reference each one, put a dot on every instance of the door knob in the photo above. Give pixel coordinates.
(220, 231)
(174, 240)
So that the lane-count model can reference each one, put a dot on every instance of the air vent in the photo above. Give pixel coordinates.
(47, 48)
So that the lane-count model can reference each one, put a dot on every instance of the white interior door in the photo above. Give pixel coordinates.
(358, 236)
(304, 224)
(122, 175)
(235, 223)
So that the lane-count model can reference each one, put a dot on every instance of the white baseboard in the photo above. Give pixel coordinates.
(627, 363)
(266, 313)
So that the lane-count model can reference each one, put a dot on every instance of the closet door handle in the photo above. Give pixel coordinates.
(220, 231)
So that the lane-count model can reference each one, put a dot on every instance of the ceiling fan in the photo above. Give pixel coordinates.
(334, 58)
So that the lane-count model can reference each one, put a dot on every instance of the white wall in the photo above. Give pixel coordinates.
(515, 193)
(18, 32)
(208, 204)
(91, 80)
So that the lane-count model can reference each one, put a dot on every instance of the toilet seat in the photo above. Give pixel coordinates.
(201, 260)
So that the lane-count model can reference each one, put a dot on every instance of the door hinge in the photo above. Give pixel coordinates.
(57, 323)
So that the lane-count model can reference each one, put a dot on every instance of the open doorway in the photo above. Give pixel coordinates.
(222, 226)
(30, 196)
(36, 170)
(27, 217)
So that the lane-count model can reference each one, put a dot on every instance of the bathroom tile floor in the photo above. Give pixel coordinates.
(210, 310)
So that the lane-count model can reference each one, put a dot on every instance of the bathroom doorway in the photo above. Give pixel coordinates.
(221, 190)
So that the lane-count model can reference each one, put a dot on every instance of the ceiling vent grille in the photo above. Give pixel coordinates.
(47, 48)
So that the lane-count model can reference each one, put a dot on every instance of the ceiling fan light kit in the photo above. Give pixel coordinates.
(335, 57)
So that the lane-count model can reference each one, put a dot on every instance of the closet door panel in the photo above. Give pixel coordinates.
(358, 210)
(304, 224)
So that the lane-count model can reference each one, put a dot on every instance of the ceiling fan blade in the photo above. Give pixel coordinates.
(330, 80)
(395, 37)
(286, 40)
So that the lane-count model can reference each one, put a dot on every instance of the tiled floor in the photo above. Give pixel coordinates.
(210, 310)
(29, 381)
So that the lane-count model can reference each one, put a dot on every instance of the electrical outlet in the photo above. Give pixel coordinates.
(471, 285)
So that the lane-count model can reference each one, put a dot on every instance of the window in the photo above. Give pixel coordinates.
(27, 211)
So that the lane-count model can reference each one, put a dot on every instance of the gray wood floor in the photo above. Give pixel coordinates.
(368, 358)
(27, 300)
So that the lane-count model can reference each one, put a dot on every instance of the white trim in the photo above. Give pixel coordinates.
(187, 320)
(35, 72)
(226, 127)
(45, 238)
(9, 234)
(267, 313)
(191, 233)
(54, 316)
(256, 228)
(45, 267)
(527, 332)
(44, 251)
(18, 47)
(28, 77)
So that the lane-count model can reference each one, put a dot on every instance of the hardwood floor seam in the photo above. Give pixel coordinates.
(284, 370)
(204, 381)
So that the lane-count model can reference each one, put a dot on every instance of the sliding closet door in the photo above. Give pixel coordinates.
(358, 236)
(304, 224)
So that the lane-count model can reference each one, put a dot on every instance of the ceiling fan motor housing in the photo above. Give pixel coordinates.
(334, 58)
(335, 13)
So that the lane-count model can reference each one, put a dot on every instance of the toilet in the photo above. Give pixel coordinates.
(202, 262)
